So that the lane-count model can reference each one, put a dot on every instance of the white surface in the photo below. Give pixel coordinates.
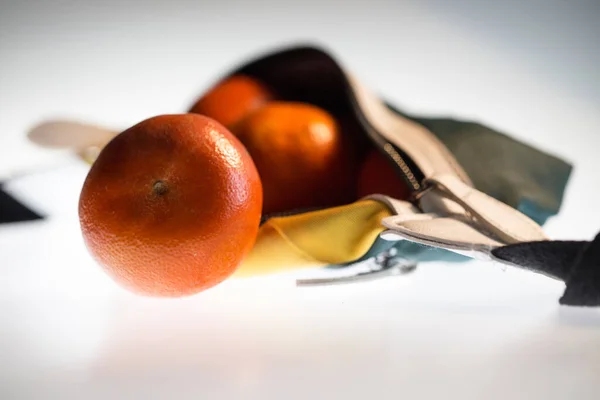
(468, 331)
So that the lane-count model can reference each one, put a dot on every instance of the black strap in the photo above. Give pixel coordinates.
(577, 263)
(12, 210)
(583, 284)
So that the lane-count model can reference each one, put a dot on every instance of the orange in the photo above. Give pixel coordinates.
(378, 176)
(300, 155)
(232, 99)
(171, 206)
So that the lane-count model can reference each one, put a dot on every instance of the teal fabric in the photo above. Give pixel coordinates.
(409, 251)
(519, 175)
(511, 171)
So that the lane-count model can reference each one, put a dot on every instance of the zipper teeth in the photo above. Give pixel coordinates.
(403, 166)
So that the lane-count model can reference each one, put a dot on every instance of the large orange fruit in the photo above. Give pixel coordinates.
(171, 206)
(232, 99)
(300, 155)
(378, 176)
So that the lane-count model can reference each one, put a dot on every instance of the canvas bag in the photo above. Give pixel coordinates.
(474, 190)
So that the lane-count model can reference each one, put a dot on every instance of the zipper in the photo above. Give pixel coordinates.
(399, 161)
(406, 167)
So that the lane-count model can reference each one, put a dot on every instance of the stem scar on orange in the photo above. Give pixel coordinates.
(171, 206)
(232, 99)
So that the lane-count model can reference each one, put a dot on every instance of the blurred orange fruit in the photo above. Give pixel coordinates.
(300, 155)
(378, 176)
(171, 206)
(232, 99)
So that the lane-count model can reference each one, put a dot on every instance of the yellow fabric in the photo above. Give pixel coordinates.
(332, 236)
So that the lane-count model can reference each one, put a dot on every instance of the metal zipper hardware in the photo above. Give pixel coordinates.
(386, 264)
(416, 196)
(399, 160)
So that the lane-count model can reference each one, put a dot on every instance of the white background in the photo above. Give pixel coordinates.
(453, 331)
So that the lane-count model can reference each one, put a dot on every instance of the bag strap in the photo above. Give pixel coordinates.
(443, 172)
(577, 263)
(503, 221)
(73, 135)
